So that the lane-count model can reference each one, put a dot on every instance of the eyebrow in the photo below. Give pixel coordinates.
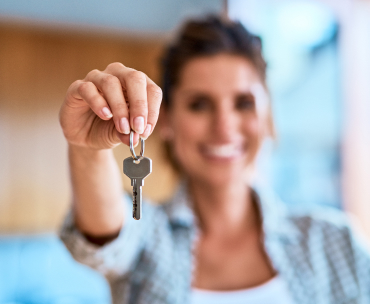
(201, 92)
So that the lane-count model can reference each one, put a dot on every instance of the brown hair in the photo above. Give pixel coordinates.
(206, 37)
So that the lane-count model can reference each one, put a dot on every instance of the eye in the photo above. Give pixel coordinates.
(200, 103)
(245, 102)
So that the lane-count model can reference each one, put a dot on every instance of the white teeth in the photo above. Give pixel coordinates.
(224, 151)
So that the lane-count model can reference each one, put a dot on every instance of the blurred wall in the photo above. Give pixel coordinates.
(356, 132)
(36, 68)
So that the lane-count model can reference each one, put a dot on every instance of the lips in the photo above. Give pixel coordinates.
(223, 151)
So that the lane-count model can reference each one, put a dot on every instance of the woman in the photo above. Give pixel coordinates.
(220, 239)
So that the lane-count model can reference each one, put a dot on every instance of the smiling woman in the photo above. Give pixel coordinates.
(221, 233)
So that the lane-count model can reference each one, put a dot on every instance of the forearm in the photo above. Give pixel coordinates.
(97, 191)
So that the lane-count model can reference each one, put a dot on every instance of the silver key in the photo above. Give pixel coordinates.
(137, 168)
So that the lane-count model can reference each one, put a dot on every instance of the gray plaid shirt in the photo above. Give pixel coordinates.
(151, 261)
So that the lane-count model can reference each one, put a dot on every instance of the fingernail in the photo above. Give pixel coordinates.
(124, 125)
(139, 124)
(147, 131)
(106, 112)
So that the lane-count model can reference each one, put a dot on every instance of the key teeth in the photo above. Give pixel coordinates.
(134, 207)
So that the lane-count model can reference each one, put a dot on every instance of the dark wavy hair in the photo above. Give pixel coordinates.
(206, 37)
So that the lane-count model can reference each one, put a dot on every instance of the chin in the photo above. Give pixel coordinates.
(221, 172)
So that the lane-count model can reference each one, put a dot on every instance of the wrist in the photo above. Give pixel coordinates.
(89, 153)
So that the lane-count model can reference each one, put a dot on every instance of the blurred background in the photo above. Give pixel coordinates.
(318, 55)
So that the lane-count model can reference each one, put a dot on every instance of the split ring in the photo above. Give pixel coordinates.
(132, 147)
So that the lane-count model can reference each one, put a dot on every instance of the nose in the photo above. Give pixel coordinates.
(225, 122)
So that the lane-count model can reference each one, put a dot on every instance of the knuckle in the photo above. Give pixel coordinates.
(83, 87)
(155, 91)
(120, 107)
(153, 113)
(115, 65)
(74, 85)
(93, 73)
(94, 100)
(110, 80)
(137, 76)
(140, 106)
(140, 103)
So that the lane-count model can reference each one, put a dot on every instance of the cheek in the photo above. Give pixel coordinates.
(251, 127)
(254, 131)
(189, 130)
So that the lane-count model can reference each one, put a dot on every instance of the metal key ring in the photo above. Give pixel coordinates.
(132, 147)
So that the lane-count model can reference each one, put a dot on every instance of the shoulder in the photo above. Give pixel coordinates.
(299, 221)
(326, 219)
(330, 231)
(323, 226)
(332, 244)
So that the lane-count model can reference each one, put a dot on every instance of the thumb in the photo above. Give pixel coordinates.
(125, 138)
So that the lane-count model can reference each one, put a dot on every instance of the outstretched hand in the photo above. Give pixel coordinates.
(99, 111)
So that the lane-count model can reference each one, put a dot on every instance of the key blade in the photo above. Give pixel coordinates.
(136, 202)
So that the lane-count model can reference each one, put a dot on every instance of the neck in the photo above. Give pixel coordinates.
(226, 209)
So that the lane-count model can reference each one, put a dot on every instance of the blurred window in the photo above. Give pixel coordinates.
(301, 48)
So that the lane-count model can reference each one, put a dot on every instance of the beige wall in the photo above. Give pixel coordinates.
(36, 68)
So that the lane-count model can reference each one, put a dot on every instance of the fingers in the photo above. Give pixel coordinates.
(134, 83)
(144, 97)
(87, 91)
(127, 95)
(111, 89)
(126, 139)
(154, 96)
(136, 92)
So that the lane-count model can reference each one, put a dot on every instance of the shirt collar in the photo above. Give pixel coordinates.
(276, 217)
(276, 220)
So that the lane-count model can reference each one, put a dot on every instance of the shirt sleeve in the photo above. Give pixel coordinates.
(116, 258)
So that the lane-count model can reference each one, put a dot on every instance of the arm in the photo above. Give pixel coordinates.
(97, 115)
(97, 193)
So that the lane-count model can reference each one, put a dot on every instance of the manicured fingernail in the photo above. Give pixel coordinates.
(124, 125)
(147, 131)
(139, 124)
(106, 112)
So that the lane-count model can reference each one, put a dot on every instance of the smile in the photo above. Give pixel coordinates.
(225, 151)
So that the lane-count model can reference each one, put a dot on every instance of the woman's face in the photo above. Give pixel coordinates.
(217, 118)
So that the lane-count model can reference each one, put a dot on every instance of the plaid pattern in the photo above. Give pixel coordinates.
(151, 261)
